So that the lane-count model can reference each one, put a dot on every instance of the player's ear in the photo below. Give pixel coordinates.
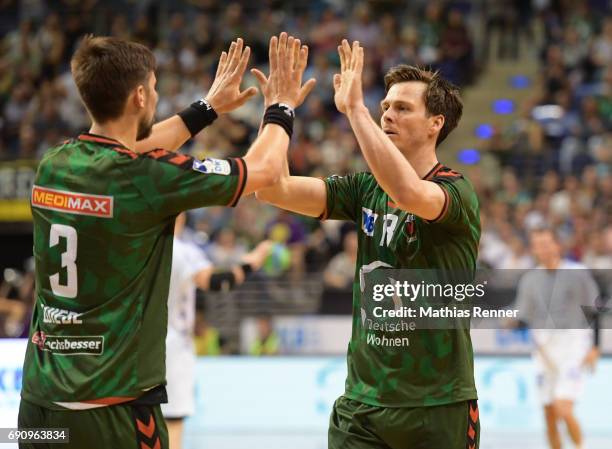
(140, 96)
(436, 123)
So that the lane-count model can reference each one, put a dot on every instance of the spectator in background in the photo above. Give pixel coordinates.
(225, 250)
(340, 271)
(430, 32)
(338, 277)
(52, 41)
(207, 339)
(17, 301)
(501, 26)
(289, 230)
(267, 341)
(598, 255)
(456, 47)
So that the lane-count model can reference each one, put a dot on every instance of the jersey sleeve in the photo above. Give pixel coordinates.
(174, 182)
(460, 203)
(343, 197)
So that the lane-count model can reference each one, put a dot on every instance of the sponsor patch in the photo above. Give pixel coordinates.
(53, 315)
(212, 166)
(368, 221)
(72, 202)
(69, 345)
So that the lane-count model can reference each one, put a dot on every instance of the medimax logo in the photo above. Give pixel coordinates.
(72, 202)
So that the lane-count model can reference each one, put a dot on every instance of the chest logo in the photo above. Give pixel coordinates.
(368, 221)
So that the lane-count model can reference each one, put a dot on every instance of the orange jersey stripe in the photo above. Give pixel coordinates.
(111, 400)
(240, 187)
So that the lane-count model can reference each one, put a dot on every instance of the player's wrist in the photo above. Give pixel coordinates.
(281, 114)
(198, 116)
(288, 102)
(356, 109)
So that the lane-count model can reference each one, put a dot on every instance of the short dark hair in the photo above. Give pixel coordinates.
(441, 96)
(106, 70)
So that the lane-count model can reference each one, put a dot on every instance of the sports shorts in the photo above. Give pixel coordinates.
(125, 426)
(356, 425)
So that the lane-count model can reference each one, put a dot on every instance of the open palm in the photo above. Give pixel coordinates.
(347, 84)
(288, 59)
(224, 94)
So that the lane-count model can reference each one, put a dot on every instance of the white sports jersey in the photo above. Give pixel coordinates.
(551, 301)
(187, 260)
(554, 299)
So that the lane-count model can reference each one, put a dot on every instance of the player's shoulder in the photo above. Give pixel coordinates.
(123, 154)
(59, 147)
(443, 173)
(169, 157)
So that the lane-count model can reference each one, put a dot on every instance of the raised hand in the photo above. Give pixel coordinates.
(224, 94)
(288, 59)
(347, 84)
(257, 256)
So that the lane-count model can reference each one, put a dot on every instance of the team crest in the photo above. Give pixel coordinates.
(410, 227)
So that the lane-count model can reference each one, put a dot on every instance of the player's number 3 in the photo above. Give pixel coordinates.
(68, 260)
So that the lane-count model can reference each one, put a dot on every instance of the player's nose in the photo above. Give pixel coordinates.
(387, 116)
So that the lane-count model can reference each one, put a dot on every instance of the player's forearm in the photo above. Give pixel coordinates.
(265, 158)
(302, 195)
(169, 134)
(279, 190)
(388, 165)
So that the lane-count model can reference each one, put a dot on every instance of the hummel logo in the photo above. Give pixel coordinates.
(287, 109)
(206, 104)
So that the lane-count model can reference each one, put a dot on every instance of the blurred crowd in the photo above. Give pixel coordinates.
(40, 104)
(555, 158)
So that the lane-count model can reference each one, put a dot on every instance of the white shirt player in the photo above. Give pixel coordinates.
(187, 261)
(551, 302)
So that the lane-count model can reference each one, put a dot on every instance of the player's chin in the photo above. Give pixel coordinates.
(395, 138)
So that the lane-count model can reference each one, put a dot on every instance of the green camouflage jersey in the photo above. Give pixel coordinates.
(428, 367)
(103, 230)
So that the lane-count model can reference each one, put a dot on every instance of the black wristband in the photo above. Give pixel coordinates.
(280, 114)
(247, 268)
(198, 116)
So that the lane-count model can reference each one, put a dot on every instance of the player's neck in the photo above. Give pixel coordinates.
(422, 160)
(124, 133)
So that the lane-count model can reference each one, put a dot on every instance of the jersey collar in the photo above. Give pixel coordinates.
(431, 173)
(89, 137)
